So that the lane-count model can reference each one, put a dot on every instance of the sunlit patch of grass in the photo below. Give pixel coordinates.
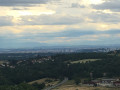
(84, 61)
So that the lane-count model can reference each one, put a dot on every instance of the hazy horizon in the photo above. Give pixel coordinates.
(61, 46)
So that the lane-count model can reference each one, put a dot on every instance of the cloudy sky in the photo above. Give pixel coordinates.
(25, 23)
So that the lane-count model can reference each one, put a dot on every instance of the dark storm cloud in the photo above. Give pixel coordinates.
(22, 2)
(113, 5)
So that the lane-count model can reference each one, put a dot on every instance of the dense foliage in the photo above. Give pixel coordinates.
(22, 86)
(59, 66)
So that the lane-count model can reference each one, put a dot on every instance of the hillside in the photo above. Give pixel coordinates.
(59, 66)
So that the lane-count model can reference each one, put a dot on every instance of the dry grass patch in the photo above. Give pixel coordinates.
(84, 61)
(70, 85)
(38, 81)
(118, 54)
(47, 81)
(75, 87)
(4, 61)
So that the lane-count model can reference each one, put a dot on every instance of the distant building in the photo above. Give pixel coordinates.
(91, 84)
(109, 82)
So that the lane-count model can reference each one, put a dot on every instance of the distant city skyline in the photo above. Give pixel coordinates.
(36, 23)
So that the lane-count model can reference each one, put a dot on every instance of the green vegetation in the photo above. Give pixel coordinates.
(58, 67)
(22, 86)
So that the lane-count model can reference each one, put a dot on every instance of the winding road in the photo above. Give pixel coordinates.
(62, 82)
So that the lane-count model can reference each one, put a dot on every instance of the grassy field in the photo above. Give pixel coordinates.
(3, 61)
(73, 87)
(70, 85)
(84, 61)
(47, 81)
(118, 54)
(38, 81)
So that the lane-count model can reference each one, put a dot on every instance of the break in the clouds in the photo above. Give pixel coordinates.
(113, 5)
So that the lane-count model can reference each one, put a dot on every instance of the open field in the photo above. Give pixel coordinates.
(3, 61)
(84, 61)
(118, 54)
(70, 85)
(38, 81)
(47, 81)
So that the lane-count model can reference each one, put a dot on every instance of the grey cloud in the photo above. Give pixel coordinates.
(112, 31)
(22, 2)
(113, 5)
(66, 33)
(6, 21)
(73, 33)
(50, 20)
(16, 8)
(105, 17)
(32, 40)
(76, 5)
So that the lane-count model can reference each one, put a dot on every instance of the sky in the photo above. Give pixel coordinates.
(34, 23)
